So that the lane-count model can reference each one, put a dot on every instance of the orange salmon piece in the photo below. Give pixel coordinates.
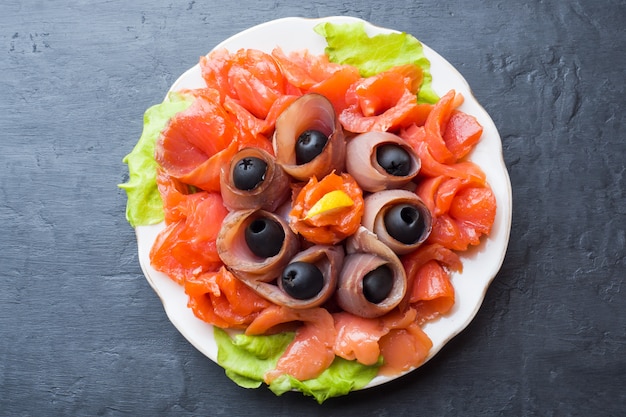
(303, 69)
(271, 317)
(311, 351)
(175, 195)
(222, 300)
(446, 232)
(464, 209)
(448, 190)
(466, 170)
(381, 102)
(357, 337)
(250, 128)
(277, 108)
(435, 126)
(416, 115)
(252, 93)
(427, 190)
(206, 176)
(192, 136)
(161, 257)
(462, 133)
(245, 121)
(380, 92)
(262, 66)
(415, 261)
(403, 349)
(189, 147)
(187, 246)
(249, 76)
(256, 80)
(470, 214)
(432, 294)
(396, 337)
(334, 88)
(214, 69)
(475, 207)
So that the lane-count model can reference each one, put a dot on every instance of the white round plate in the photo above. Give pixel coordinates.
(480, 264)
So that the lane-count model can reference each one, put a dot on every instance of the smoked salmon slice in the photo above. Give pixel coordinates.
(376, 94)
(463, 210)
(303, 69)
(176, 197)
(187, 244)
(382, 102)
(475, 206)
(252, 92)
(334, 88)
(196, 143)
(358, 338)
(432, 294)
(310, 352)
(436, 125)
(462, 133)
(251, 77)
(404, 349)
(432, 168)
(412, 262)
(417, 284)
(447, 136)
(277, 108)
(222, 300)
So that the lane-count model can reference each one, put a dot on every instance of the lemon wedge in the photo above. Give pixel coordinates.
(330, 201)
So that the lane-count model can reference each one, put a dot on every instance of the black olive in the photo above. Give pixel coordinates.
(310, 143)
(377, 284)
(404, 223)
(264, 237)
(249, 172)
(394, 159)
(302, 280)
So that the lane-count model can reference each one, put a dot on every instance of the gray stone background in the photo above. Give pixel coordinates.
(82, 333)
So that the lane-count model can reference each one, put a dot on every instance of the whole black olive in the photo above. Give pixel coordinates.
(394, 159)
(264, 237)
(377, 284)
(248, 173)
(310, 143)
(404, 223)
(302, 280)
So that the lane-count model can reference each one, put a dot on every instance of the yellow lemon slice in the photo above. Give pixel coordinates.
(330, 201)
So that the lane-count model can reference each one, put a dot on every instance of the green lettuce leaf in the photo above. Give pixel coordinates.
(247, 358)
(144, 205)
(348, 43)
(341, 377)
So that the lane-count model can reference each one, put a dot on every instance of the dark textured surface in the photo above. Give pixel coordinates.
(82, 333)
